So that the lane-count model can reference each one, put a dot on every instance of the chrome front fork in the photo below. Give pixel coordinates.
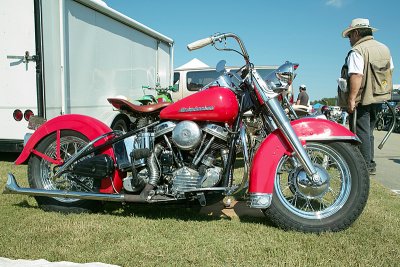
(284, 125)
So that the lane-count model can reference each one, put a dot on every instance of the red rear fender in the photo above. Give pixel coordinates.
(88, 126)
(275, 146)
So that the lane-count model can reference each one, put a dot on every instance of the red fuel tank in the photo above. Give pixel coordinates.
(216, 104)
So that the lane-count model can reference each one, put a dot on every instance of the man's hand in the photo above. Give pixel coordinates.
(351, 105)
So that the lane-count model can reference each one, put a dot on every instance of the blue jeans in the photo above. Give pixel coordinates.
(366, 118)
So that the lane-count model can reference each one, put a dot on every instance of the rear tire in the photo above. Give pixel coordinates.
(40, 172)
(120, 124)
(337, 207)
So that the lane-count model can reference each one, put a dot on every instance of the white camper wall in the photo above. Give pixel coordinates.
(165, 64)
(105, 58)
(17, 79)
(93, 52)
(89, 51)
(53, 57)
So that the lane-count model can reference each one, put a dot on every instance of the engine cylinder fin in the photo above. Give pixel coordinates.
(185, 179)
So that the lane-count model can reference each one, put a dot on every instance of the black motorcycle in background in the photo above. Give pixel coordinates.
(386, 117)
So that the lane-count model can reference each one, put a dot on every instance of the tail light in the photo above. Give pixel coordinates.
(28, 114)
(17, 114)
(160, 100)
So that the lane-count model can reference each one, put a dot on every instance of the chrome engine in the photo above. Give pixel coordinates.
(186, 135)
(182, 157)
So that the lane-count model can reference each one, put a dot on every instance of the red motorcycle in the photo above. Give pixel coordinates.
(306, 174)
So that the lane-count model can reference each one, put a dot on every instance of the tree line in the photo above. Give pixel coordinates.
(329, 101)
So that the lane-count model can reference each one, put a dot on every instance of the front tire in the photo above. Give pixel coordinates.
(40, 173)
(333, 207)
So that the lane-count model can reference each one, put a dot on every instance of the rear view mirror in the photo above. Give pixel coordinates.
(282, 78)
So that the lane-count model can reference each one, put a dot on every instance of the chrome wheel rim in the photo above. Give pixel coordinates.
(69, 145)
(321, 206)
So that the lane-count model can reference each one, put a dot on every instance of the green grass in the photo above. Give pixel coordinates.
(154, 236)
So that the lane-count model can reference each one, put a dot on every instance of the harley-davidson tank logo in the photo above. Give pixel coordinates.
(195, 109)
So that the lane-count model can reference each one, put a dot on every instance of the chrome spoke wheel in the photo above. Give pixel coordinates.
(69, 145)
(314, 201)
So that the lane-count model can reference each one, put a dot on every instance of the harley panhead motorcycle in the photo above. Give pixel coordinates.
(304, 174)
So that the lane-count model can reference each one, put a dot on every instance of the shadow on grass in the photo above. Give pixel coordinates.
(213, 212)
(177, 212)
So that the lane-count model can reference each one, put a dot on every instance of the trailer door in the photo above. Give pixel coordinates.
(17, 73)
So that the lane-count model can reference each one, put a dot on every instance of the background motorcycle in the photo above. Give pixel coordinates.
(137, 115)
(306, 174)
(162, 95)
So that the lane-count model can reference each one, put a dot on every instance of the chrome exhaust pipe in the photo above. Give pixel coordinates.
(12, 187)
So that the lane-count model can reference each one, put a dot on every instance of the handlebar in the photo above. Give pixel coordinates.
(200, 44)
(158, 89)
(219, 37)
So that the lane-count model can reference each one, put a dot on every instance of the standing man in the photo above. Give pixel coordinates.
(368, 72)
(302, 98)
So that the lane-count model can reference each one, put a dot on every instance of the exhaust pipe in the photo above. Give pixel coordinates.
(12, 187)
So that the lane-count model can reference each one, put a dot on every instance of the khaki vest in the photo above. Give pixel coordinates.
(376, 85)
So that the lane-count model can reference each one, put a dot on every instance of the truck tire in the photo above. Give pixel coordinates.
(41, 170)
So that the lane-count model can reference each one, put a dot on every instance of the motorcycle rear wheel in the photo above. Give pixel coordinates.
(337, 207)
(41, 170)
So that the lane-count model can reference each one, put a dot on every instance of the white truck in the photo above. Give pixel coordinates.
(69, 56)
(195, 74)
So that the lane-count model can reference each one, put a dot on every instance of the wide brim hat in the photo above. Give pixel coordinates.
(358, 23)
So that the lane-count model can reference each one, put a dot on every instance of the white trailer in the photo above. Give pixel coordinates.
(69, 56)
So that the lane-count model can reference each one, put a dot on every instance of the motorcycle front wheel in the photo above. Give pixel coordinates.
(40, 174)
(333, 206)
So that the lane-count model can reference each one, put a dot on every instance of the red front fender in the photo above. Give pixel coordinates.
(88, 126)
(275, 146)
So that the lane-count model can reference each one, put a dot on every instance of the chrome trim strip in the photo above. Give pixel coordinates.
(331, 138)
(204, 189)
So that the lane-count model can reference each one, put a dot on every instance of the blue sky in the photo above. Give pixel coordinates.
(307, 32)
